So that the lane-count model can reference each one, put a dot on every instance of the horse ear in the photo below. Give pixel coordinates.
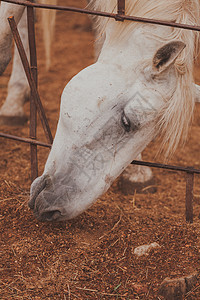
(166, 55)
(197, 91)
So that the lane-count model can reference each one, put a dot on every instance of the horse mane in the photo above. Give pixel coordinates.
(175, 116)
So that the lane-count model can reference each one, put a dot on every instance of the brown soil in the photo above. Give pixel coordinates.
(91, 257)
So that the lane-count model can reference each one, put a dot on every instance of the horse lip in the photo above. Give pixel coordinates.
(49, 215)
(37, 187)
(53, 214)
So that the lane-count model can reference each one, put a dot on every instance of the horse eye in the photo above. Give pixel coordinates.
(125, 122)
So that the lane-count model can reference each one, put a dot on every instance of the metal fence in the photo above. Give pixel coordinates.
(36, 104)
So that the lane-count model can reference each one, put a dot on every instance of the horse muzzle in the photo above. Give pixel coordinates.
(42, 201)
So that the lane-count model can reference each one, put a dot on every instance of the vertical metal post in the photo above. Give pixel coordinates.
(189, 197)
(33, 108)
(121, 7)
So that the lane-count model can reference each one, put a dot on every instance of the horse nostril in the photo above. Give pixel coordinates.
(38, 185)
(50, 215)
(31, 204)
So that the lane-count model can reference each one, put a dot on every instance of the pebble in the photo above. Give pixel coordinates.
(145, 249)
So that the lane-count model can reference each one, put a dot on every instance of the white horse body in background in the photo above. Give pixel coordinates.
(12, 111)
(102, 127)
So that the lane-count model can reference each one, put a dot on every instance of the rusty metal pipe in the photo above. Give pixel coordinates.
(164, 166)
(120, 10)
(121, 7)
(24, 140)
(189, 197)
(105, 14)
(33, 108)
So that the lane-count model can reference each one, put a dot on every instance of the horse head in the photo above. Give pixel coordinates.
(107, 117)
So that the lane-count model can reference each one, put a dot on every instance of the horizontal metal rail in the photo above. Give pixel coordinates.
(118, 17)
(135, 162)
(167, 167)
(24, 140)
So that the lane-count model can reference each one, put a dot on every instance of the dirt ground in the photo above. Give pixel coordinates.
(91, 257)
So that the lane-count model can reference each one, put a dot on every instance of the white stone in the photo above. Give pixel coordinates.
(145, 249)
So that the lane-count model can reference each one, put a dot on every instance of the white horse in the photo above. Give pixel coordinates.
(12, 111)
(102, 125)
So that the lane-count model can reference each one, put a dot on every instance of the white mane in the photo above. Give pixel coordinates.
(175, 117)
